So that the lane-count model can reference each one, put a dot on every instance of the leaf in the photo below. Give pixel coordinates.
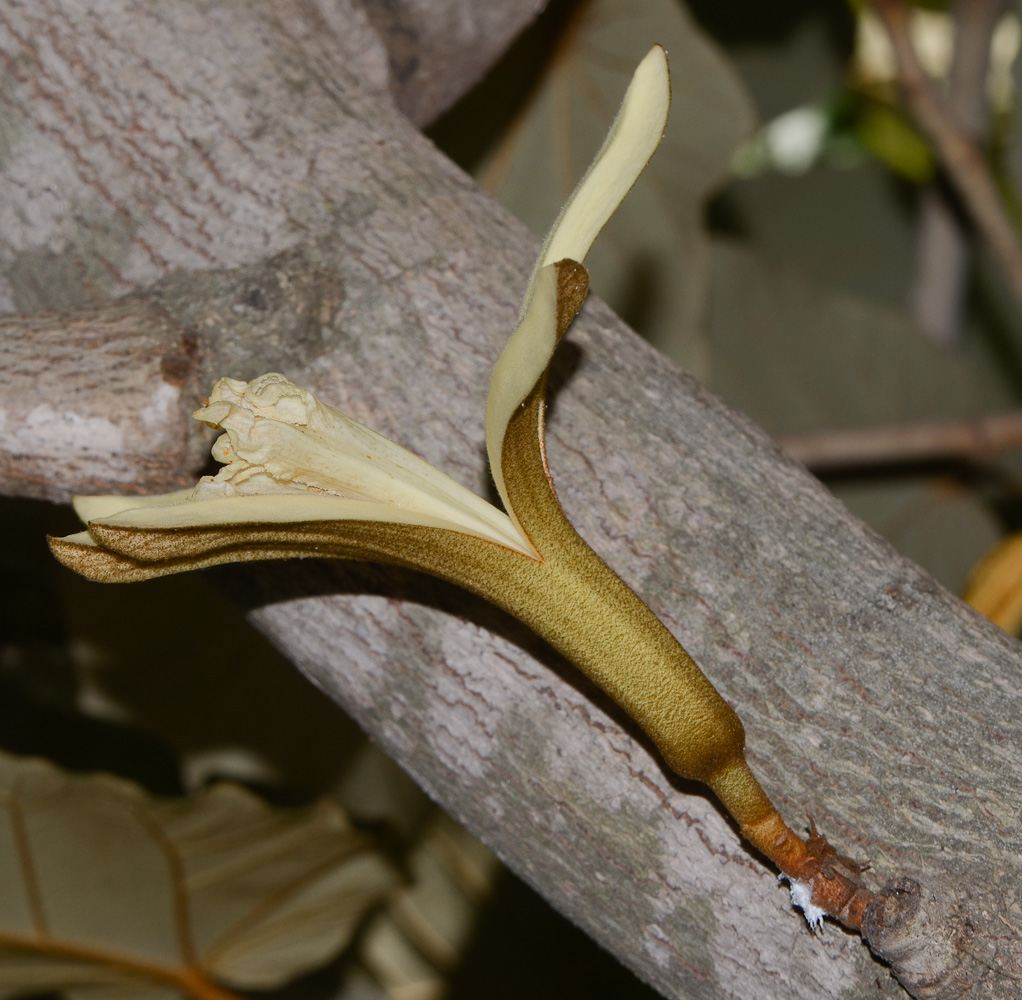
(894, 140)
(413, 944)
(649, 262)
(109, 888)
(799, 359)
(936, 521)
(995, 585)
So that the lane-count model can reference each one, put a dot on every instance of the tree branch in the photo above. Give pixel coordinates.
(958, 153)
(438, 51)
(92, 402)
(938, 440)
(942, 244)
(872, 699)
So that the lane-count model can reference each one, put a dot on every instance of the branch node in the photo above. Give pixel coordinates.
(924, 933)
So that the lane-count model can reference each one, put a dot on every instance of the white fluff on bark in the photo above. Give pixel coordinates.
(801, 896)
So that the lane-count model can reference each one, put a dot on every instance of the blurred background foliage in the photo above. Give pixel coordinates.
(774, 247)
(795, 245)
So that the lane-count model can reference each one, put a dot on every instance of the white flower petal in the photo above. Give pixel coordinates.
(283, 508)
(280, 440)
(632, 140)
(91, 508)
(515, 373)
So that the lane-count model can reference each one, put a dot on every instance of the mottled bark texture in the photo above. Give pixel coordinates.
(146, 140)
(436, 51)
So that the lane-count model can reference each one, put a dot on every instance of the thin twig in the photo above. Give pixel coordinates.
(963, 161)
(923, 442)
(942, 245)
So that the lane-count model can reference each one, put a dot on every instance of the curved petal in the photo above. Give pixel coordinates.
(287, 508)
(280, 439)
(126, 539)
(632, 140)
(555, 293)
(515, 376)
(90, 508)
(116, 550)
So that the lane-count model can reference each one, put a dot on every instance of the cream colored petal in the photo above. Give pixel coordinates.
(82, 538)
(287, 508)
(279, 439)
(139, 543)
(633, 138)
(515, 373)
(88, 508)
(631, 141)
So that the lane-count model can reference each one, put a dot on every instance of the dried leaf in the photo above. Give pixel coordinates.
(412, 945)
(109, 888)
(995, 585)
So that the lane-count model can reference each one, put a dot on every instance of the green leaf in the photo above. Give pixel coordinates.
(895, 141)
(109, 888)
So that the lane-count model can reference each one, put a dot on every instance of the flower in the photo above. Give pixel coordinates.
(289, 458)
(300, 478)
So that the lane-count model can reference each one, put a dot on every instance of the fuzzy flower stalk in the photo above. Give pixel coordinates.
(300, 478)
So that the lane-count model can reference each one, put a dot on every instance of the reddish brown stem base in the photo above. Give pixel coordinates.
(834, 880)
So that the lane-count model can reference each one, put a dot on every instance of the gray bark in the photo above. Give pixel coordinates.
(436, 51)
(259, 144)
